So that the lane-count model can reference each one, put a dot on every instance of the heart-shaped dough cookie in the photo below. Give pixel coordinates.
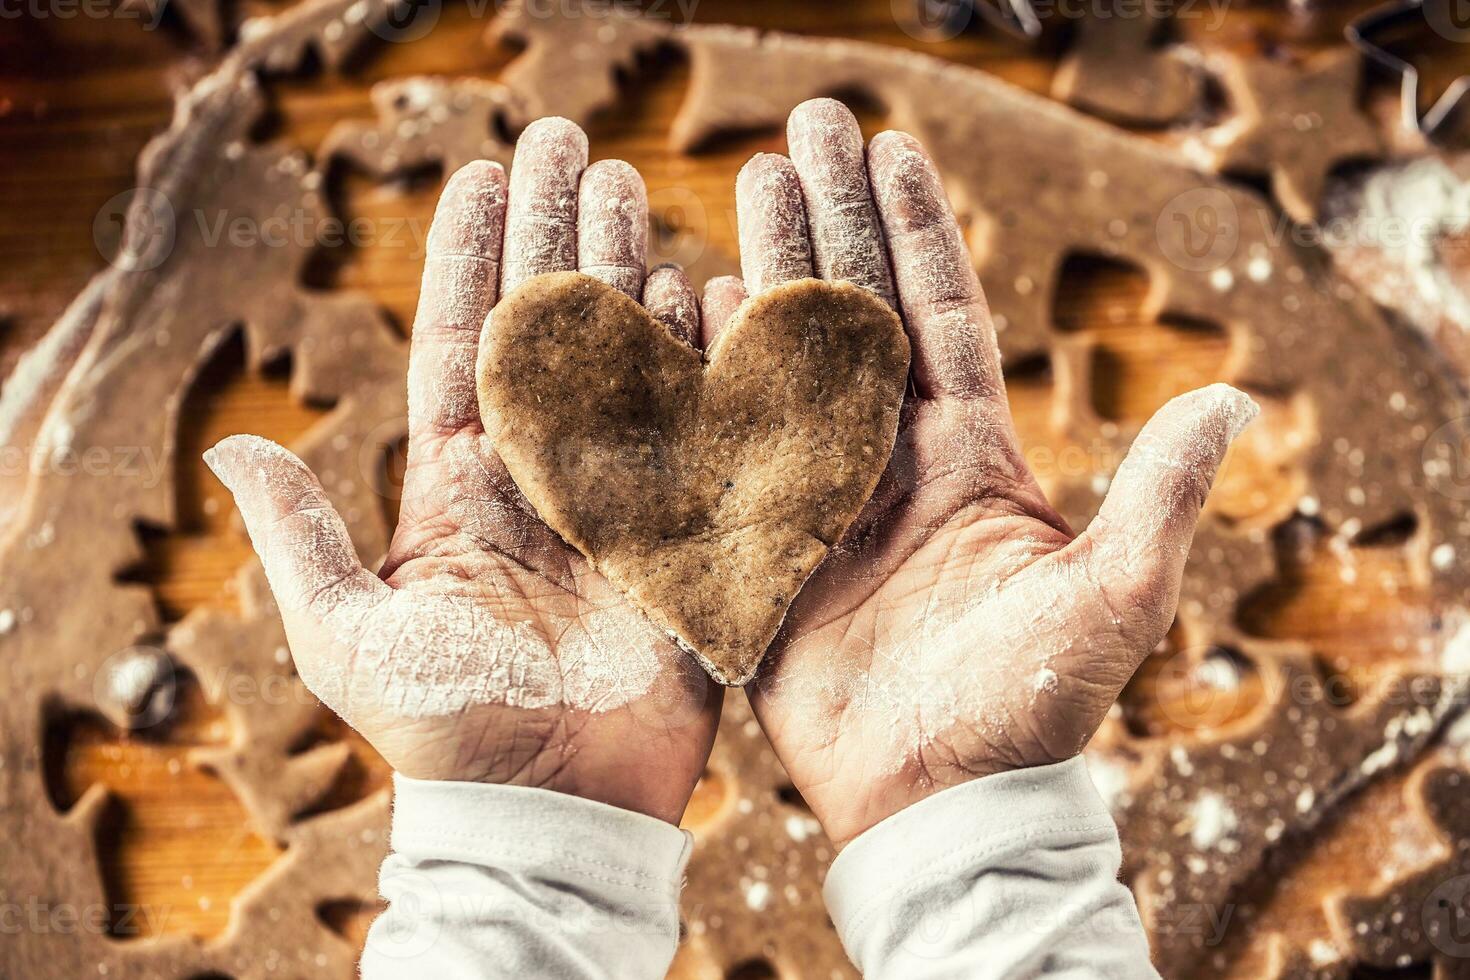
(707, 492)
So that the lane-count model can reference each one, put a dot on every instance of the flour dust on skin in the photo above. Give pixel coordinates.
(991, 660)
(412, 653)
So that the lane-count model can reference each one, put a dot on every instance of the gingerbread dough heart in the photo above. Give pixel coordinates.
(706, 490)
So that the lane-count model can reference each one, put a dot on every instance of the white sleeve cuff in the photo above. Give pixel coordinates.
(1013, 874)
(508, 881)
(539, 833)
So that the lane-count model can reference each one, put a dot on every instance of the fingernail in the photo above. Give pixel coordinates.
(215, 463)
(1236, 409)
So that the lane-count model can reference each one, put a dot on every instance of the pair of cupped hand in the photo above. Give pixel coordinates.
(960, 628)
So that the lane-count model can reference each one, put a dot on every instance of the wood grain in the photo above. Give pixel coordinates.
(78, 99)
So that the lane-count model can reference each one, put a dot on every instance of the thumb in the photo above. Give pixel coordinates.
(1141, 536)
(321, 587)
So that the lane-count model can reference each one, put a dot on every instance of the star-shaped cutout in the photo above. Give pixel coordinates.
(1116, 69)
(1384, 33)
(1294, 125)
(940, 20)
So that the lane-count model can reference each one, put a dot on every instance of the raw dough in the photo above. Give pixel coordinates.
(708, 494)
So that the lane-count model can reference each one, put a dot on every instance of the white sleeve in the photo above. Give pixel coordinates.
(1011, 875)
(506, 881)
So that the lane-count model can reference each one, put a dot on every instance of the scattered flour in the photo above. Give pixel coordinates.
(133, 677)
(1211, 821)
(1402, 214)
(801, 828)
(1455, 655)
(1110, 779)
(1323, 953)
(1259, 268)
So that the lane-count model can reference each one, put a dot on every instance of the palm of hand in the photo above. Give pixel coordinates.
(601, 682)
(960, 628)
(485, 648)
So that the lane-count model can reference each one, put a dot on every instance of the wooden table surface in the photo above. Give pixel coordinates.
(78, 99)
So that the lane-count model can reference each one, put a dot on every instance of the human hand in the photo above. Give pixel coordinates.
(960, 628)
(485, 648)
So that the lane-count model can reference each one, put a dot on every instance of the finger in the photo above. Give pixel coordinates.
(313, 569)
(541, 222)
(774, 244)
(670, 299)
(612, 226)
(722, 297)
(1142, 534)
(847, 239)
(954, 346)
(461, 278)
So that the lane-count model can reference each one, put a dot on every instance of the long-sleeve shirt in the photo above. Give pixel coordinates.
(1011, 875)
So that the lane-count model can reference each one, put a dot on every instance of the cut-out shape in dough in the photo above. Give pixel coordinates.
(706, 492)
